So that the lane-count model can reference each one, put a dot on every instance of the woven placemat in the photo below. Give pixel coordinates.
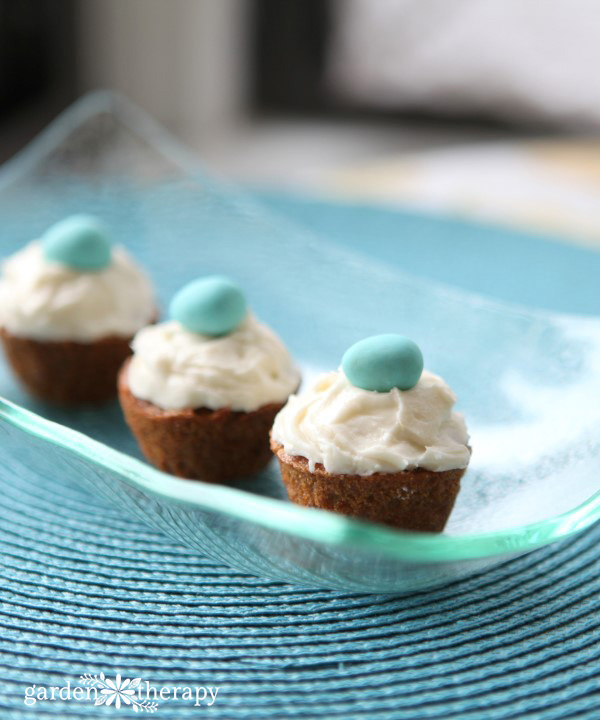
(87, 590)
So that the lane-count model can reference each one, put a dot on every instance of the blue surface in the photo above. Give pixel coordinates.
(84, 589)
(522, 267)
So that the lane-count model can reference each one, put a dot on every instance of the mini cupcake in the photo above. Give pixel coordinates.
(70, 304)
(201, 391)
(376, 439)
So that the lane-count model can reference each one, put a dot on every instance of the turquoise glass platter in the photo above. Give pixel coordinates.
(528, 381)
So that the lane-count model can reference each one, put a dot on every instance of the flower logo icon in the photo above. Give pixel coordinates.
(118, 691)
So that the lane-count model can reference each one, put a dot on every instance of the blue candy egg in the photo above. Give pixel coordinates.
(210, 306)
(383, 362)
(80, 242)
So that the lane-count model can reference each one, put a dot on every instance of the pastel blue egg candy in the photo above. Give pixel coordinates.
(81, 242)
(383, 362)
(212, 305)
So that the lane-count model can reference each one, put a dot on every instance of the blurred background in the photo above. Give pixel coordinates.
(484, 107)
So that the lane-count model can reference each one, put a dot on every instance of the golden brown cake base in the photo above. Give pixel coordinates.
(203, 444)
(415, 499)
(64, 372)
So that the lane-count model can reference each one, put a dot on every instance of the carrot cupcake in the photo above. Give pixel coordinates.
(376, 439)
(70, 304)
(201, 391)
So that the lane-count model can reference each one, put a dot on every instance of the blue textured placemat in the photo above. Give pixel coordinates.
(85, 589)
(537, 270)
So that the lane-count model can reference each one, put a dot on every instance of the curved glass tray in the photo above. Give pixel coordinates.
(528, 382)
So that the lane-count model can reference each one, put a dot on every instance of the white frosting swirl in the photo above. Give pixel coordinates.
(359, 432)
(45, 300)
(175, 369)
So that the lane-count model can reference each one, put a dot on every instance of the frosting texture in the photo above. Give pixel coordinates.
(360, 432)
(46, 300)
(175, 368)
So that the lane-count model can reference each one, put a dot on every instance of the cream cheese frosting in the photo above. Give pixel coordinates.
(174, 368)
(360, 432)
(46, 300)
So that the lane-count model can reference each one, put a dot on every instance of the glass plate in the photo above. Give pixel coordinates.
(528, 382)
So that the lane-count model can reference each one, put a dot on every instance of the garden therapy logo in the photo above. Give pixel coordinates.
(138, 694)
(117, 691)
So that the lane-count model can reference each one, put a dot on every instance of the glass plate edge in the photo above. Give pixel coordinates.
(308, 523)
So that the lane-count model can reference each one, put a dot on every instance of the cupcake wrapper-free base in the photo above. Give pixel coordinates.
(415, 499)
(66, 372)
